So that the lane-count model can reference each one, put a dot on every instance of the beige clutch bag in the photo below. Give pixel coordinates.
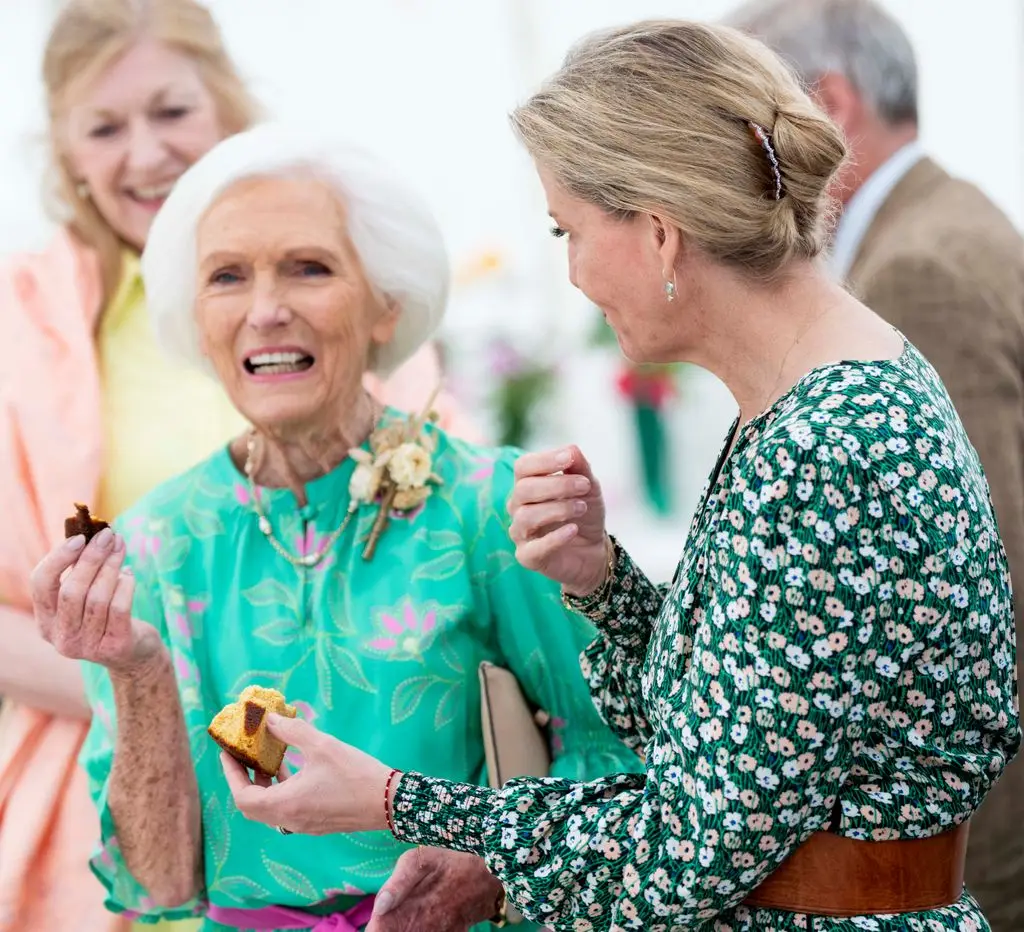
(514, 742)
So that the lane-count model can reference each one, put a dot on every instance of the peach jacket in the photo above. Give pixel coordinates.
(50, 456)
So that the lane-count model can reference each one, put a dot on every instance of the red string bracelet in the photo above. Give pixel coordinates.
(388, 816)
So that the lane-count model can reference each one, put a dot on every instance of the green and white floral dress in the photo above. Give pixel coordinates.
(840, 625)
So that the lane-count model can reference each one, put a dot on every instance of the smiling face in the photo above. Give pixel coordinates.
(131, 133)
(285, 311)
(622, 265)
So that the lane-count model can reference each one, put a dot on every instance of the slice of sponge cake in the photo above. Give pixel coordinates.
(241, 729)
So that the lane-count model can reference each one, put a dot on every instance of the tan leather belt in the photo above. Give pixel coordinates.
(829, 875)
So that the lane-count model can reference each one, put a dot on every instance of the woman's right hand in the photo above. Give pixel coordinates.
(558, 519)
(88, 614)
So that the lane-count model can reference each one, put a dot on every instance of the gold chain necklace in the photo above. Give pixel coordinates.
(782, 368)
(306, 560)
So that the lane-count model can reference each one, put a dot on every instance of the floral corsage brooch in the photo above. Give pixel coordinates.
(397, 472)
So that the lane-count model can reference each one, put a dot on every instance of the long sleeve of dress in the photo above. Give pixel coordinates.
(750, 717)
(541, 642)
(612, 664)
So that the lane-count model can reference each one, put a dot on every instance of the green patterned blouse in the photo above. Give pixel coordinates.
(382, 654)
(840, 626)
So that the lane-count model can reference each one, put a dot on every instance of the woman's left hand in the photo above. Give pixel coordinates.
(338, 790)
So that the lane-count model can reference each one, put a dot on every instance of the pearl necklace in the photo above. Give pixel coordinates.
(306, 560)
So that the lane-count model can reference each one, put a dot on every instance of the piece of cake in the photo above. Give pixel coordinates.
(241, 729)
(83, 522)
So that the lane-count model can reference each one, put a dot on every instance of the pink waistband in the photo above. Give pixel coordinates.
(272, 918)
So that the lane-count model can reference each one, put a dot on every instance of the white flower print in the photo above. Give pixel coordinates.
(866, 610)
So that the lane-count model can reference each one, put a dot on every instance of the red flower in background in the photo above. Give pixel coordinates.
(647, 385)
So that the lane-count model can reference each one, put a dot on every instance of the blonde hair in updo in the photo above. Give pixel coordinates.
(654, 118)
(89, 35)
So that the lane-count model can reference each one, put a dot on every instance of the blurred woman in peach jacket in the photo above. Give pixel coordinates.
(90, 410)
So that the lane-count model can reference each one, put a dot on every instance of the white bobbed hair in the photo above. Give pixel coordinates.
(392, 229)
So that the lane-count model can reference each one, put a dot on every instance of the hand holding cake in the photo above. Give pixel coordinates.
(87, 613)
(338, 789)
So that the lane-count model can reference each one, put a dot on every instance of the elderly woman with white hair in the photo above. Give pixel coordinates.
(355, 559)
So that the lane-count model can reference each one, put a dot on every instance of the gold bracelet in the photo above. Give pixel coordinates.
(599, 597)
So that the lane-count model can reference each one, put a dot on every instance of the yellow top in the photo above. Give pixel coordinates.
(160, 418)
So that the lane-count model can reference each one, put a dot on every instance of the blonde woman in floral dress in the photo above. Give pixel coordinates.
(826, 691)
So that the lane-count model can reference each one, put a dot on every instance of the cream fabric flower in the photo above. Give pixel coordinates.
(365, 482)
(410, 466)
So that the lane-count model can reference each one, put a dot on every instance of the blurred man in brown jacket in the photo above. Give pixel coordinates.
(937, 259)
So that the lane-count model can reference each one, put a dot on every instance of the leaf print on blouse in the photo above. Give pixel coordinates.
(141, 544)
(243, 890)
(146, 544)
(410, 693)
(202, 522)
(338, 595)
(271, 593)
(217, 832)
(333, 654)
(278, 632)
(292, 880)
(405, 634)
(381, 851)
(438, 540)
(442, 567)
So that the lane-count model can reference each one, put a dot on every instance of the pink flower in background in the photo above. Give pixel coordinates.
(505, 359)
(312, 542)
(407, 635)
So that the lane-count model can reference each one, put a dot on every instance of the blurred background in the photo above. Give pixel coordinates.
(428, 84)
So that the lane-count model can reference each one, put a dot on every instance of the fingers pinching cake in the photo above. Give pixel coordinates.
(83, 522)
(241, 729)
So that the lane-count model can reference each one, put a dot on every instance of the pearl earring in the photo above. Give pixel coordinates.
(82, 190)
(670, 291)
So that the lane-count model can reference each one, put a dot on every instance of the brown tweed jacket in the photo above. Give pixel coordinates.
(945, 266)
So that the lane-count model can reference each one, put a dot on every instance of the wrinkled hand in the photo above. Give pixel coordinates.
(88, 614)
(432, 890)
(338, 790)
(558, 519)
